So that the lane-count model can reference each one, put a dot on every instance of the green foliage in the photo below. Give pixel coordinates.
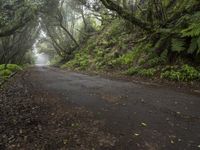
(155, 60)
(129, 57)
(192, 31)
(193, 28)
(5, 73)
(147, 72)
(55, 60)
(141, 72)
(14, 67)
(80, 61)
(115, 28)
(185, 73)
(194, 46)
(2, 67)
(113, 48)
(132, 71)
(178, 45)
(11, 67)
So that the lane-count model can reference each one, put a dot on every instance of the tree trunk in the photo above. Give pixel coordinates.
(124, 13)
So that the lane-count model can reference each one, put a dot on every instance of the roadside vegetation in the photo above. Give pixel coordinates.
(115, 48)
(147, 38)
(8, 70)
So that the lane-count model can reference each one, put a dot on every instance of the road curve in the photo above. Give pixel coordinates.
(159, 118)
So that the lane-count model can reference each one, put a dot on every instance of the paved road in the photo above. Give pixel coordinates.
(139, 115)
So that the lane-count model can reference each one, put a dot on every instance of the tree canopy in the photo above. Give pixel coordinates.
(67, 23)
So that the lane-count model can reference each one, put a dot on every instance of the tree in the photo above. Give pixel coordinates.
(15, 14)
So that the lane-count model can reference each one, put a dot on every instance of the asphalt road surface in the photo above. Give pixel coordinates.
(157, 118)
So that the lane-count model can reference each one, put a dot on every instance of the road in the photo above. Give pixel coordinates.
(140, 116)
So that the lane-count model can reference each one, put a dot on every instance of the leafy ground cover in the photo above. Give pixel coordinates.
(116, 49)
(6, 71)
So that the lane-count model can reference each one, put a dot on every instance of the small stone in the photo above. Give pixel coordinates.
(142, 100)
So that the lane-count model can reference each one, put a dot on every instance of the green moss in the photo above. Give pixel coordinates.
(14, 67)
(5, 73)
(11, 67)
(2, 67)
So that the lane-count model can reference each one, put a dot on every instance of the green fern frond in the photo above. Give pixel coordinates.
(198, 43)
(192, 31)
(178, 45)
(193, 46)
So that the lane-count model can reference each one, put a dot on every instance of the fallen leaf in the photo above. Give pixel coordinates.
(144, 124)
(65, 141)
(172, 141)
(136, 134)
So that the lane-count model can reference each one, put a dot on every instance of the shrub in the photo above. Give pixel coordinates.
(141, 72)
(147, 72)
(185, 73)
(190, 73)
(5, 73)
(128, 58)
(2, 67)
(155, 62)
(14, 67)
(172, 75)
(80, 61)
(132, 71)
(11, 67)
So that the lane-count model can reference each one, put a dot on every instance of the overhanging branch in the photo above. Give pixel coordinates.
(126, 14)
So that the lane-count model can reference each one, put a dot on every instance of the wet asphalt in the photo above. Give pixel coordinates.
(140, 116)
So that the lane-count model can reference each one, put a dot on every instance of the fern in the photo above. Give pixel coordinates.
(192, 31)
(178, 45)
(198, 43)
(193, 46)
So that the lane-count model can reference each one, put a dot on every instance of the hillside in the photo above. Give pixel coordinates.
(117, 48)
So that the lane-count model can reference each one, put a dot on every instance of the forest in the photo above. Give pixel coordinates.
(150, 38)
(85, 43)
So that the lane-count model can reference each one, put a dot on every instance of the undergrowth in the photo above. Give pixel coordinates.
(116, 49)
(183, 73)
(6, 71)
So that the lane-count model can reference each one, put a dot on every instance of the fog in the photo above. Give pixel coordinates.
(42, 59)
